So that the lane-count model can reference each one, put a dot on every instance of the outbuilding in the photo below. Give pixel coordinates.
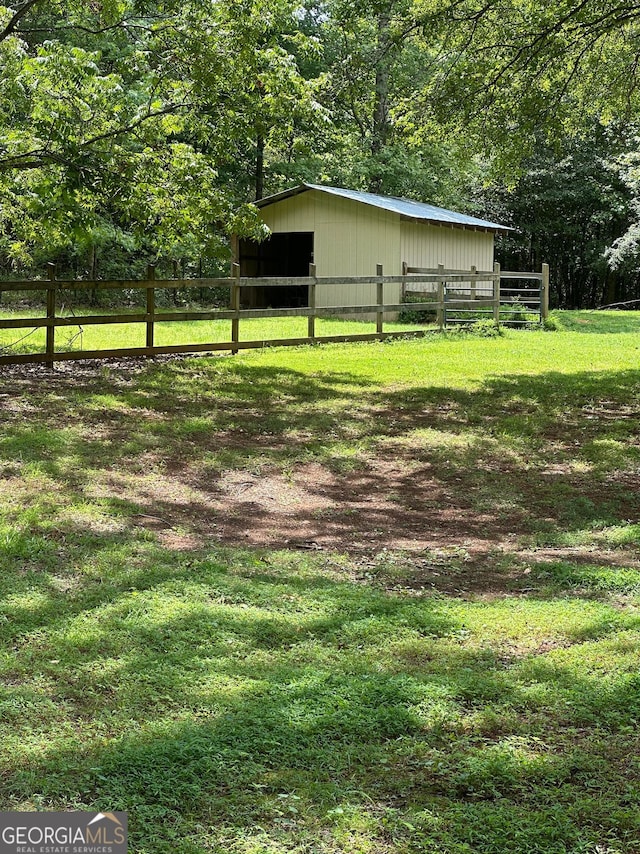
(348, 233)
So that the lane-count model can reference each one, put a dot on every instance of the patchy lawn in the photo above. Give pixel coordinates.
(370, 598)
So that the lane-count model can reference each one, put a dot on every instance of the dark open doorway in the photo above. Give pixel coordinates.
(282, 254)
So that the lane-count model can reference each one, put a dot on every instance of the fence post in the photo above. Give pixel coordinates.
(440, 311)
(51, 314)
(151, 305)
(311, 325)
(380, 300)
(496, 293)
(174, 291)
(403, 287)
(235, 306)
(544, 293)
(473, 284)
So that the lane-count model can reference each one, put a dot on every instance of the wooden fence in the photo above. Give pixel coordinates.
(448, 298)
(464, 296)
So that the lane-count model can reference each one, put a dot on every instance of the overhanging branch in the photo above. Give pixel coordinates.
(39, 157)
(18, 15)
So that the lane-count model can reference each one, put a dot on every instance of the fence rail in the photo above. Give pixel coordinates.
(447, 300)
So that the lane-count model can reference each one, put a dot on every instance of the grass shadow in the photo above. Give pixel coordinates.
(221, 703)
(264, 700)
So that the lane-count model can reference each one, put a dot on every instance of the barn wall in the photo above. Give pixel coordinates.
(425, 245)
(350, 239)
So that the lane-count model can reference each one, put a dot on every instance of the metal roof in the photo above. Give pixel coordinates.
(404, 207)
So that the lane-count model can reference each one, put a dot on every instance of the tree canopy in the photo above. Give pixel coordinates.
(134, 130)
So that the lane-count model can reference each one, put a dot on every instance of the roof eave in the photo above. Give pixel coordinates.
(303, 188)
(469, 226)
(285, 194)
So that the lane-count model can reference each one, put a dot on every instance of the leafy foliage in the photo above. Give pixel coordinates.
(135, 131)
(569, 207)
(99, 147)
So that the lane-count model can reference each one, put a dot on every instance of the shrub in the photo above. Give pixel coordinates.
(552, 324)
(517, 315)
(486, 329)
(416, 316)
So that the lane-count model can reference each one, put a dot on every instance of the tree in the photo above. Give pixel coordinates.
(512, 71)
(375, 58)
(568, 208)
(97, 134)
(249, 94)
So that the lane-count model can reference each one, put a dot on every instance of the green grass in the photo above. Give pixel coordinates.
(479, 695)
(123, 335)
(600, 322)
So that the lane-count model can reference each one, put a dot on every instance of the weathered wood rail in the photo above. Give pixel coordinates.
(443, 300)
(486, 293)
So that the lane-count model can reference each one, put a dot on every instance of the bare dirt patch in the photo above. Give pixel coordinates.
(433, 537)
(234, 464)
(375, 507)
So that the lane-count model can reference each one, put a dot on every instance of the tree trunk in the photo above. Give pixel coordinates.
(259, 167)
(381, 124)
(93, 274)
(610, 287)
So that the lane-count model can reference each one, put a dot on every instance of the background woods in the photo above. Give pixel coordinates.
(135, 132)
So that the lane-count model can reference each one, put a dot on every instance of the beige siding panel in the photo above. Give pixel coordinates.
(425, 245)
(294, 214)
(350, 239)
